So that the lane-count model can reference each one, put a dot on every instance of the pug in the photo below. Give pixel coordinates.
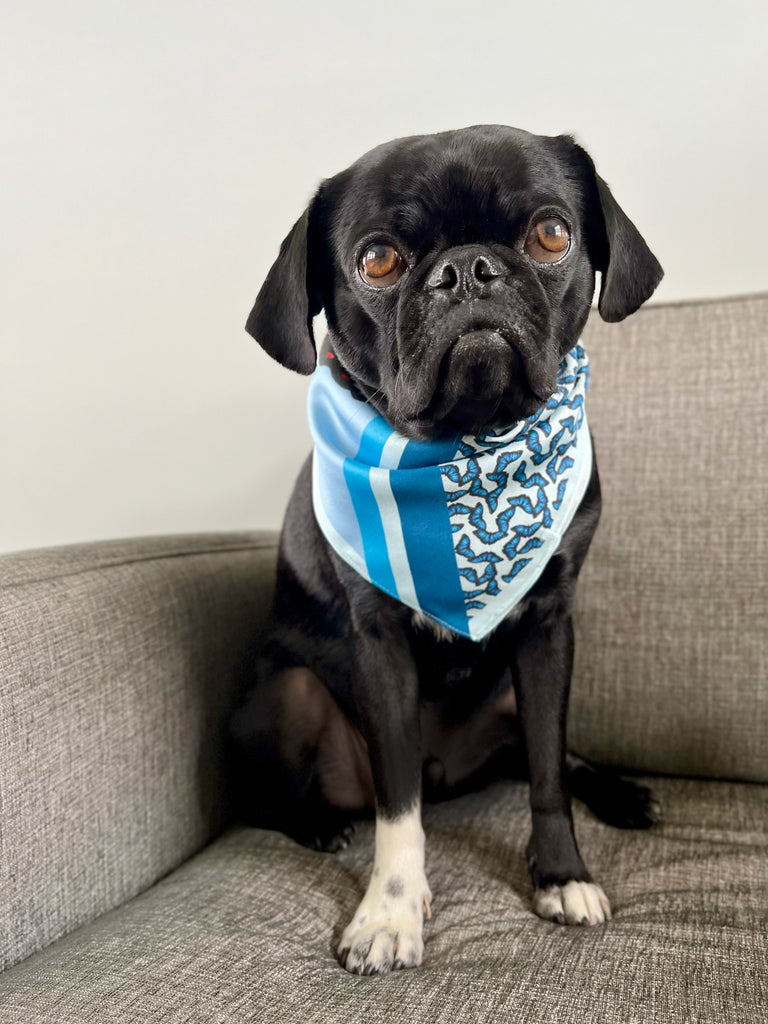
(421, 640)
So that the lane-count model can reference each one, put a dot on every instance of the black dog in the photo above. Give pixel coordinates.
(456, 272)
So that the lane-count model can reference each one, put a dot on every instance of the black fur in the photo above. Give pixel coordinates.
(353, 701)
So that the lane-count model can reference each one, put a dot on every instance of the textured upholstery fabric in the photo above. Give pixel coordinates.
(672, 606)
(244, 932)
(117, 665)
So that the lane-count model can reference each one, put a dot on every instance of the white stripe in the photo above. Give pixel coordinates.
(393, 450)
(393, 534)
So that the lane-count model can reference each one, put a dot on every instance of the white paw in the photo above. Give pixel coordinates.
(386, 932)
(572, 903)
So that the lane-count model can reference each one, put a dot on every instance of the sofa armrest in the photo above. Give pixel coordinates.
(119, 662)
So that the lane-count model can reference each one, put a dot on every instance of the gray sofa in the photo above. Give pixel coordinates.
(127, 892)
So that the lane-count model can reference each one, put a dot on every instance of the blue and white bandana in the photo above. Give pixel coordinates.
(458, 528)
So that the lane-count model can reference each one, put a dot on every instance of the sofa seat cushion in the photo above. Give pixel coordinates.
(245, 930)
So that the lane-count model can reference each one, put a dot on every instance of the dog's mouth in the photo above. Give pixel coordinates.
(482, 383)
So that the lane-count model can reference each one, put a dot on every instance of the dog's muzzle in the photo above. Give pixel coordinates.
(483, 349)
(478, 367)
(483, 376)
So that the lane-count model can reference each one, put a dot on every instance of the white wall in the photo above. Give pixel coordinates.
(154, 155)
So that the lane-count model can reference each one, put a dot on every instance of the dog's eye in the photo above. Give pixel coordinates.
(548, 240)
(381, 264)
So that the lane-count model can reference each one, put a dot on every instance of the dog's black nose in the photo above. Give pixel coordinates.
(465, 269)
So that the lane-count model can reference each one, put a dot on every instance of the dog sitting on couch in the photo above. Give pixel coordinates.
(421, 642)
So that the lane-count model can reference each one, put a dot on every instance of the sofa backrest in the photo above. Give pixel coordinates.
(672, 606)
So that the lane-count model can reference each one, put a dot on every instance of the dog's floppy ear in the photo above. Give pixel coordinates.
(281, 318)
(630, 271)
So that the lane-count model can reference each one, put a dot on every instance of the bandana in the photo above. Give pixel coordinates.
(458, 528)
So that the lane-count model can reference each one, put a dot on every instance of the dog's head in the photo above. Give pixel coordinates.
(455, 271)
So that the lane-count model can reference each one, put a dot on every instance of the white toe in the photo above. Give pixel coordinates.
(572, 903)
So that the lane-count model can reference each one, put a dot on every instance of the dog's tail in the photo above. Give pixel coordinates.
(617, 801)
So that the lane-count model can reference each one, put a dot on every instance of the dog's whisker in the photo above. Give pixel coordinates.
(378, 393)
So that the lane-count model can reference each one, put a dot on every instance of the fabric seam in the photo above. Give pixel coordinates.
(138, 560)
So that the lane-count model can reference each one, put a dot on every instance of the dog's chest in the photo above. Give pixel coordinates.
(451, 666)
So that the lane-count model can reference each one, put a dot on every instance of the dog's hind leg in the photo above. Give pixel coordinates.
(616, 801)
(287, 730)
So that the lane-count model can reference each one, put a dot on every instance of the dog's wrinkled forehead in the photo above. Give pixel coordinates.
(453, 188)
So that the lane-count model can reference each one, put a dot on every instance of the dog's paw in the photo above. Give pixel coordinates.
(620, 802)
(336, 836)
(377, 948)
(386, 933)
(626, 804)
(572, 903)
(327, 830)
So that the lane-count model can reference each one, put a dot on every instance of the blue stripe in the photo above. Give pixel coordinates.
(358, 482)
(427, 532)
(374, 437)
(430, 453)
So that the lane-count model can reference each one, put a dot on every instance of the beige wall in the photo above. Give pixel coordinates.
(154, 155)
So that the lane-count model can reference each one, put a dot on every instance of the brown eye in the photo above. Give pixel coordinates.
(548, 240)
(381, 264)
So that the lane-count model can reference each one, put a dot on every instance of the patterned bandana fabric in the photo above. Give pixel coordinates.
(458, 528)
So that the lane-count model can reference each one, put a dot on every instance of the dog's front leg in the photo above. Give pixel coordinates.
(386, 930)
(563, 890)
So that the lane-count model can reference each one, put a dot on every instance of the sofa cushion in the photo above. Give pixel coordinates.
(245, 931)
(671, 667)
